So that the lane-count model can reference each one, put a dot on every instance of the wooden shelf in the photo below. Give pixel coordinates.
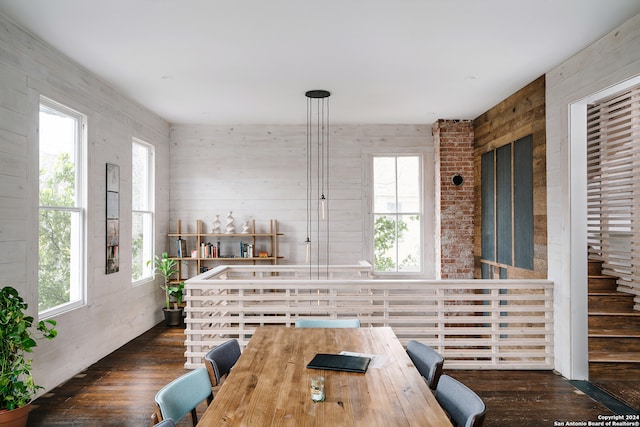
(189, 266)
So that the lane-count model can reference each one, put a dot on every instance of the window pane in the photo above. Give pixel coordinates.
(140, 177)
(59, 255)
(384, 241)
(57, 158)
(409, 243)
(408, 184)
(141, 245)
(384, 184)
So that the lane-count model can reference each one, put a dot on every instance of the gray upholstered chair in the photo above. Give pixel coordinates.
(220, 359)
(327, 323)
(428, 362)
(463, 405)
(182, 395)
(166, 423)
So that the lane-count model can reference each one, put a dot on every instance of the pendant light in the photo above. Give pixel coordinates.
(317, 190)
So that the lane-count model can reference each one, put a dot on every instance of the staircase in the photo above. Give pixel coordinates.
(614, 330)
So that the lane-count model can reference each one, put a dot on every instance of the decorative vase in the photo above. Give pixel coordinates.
(216, 225)
(246, 228)
(230, 228)
(16, 417)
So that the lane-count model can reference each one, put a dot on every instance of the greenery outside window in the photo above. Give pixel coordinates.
(397, 214)
(142, 211)
(61, 260)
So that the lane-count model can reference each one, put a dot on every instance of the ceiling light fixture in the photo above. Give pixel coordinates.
(318, 167)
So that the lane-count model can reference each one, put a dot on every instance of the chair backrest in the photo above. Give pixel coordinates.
(327, 323)
(428, 362)
(220, 359)
(182, 395)
(165, 423)
(463, 405)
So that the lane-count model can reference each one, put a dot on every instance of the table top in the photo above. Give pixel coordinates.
(270, 383)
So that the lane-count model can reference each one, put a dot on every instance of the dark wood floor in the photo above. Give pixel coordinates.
(118, 390)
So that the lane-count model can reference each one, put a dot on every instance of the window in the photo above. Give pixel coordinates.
(142, 180)
(397, 214)
(507, 208)
(61, 260)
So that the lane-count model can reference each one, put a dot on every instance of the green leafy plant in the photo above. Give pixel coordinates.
(17, 337)
(166, 267)
(176, 293)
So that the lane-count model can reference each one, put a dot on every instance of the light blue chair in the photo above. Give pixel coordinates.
(182, 395)
(428, 362)
(327, 323)
(463, 405)
(165, 423)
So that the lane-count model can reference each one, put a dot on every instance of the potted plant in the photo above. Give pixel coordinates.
(17, 337)
(167, 267)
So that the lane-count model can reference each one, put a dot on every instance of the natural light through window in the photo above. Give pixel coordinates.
(397, 205)
(61, 213)
(142, 168)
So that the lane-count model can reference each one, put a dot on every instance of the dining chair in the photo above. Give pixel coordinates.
(182, 395)
(220, 359)
(428, 362)
(463, 405)
(327, 323)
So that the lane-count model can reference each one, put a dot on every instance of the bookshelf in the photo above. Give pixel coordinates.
(199, 250)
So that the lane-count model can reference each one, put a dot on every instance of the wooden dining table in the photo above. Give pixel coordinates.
(270, 383)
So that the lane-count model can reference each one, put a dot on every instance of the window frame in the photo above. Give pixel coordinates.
(79, 208)
(151, 207)
(370, 222)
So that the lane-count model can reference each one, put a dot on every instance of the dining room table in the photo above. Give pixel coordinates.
(270, 384)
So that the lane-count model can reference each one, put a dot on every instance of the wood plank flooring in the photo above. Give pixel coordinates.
(118, 390)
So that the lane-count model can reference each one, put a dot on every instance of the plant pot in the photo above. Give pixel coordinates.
(15, 417)
(173, 316)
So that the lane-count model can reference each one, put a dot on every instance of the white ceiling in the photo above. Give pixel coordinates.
(385, 61)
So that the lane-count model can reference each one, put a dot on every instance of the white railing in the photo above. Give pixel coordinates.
(475, 324)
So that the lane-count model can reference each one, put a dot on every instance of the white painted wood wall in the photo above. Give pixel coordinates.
(116, 312)
(259, 171)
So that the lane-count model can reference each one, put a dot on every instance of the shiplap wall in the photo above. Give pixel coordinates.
(259, 172)
(613, 59)
(115, 312)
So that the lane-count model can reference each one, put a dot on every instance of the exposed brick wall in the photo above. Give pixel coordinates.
(454, 141)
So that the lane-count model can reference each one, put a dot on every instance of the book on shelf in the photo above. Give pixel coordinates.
(181, 248)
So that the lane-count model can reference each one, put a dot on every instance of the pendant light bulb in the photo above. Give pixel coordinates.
(323, 203)
(308, 249)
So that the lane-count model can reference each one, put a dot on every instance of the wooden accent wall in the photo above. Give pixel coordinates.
(521, 114)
